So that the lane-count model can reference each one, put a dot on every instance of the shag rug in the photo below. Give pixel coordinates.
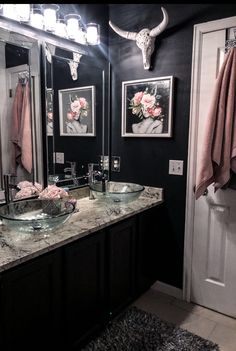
(137, 330)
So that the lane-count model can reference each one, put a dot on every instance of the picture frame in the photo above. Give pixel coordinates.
(147, 107)
(49, 111)
(77, 111)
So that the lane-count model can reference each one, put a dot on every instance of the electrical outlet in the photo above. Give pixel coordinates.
(176, 167)
(115, 163)
(60, 157)
(104, 162)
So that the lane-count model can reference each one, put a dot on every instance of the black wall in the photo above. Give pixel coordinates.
(146, 160)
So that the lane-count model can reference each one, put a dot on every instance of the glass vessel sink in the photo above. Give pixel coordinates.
(116, 191)
(36, 215)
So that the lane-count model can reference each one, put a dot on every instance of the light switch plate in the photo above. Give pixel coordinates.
(176, 167)
(60, 157)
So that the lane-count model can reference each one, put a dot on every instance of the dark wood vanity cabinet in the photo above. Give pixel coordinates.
(84, 288)
(149, 224)
(64, 297)
(121, 264)
(30, 300)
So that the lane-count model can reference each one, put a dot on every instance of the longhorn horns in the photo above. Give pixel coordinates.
(153, 33)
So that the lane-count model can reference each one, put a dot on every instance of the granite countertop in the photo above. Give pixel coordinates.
(90, 216)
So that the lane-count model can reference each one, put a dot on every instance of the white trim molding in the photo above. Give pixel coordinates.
(168, 289)
(199, 31)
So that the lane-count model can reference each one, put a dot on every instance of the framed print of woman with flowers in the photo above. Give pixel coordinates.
(147, 107)
(76, 111)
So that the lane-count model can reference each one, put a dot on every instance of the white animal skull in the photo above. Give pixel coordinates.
(145, 39)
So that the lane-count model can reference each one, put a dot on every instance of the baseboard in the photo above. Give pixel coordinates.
(168, 289)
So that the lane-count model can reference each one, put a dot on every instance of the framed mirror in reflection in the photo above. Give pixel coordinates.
(49, 112)
(20, 108)
(78, 83)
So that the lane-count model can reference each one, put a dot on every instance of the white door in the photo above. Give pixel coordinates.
(213, 261)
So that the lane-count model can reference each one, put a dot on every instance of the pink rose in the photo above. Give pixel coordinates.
(53, 192)
(157, 111)
(148, 100)
(75, 106)
(83, 103)
(24, 184)
(137, 98)
(25, 192)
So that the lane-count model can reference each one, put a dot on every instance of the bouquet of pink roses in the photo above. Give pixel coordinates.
(53, 197)
(53, 192)
(27, 189)
(144, 105)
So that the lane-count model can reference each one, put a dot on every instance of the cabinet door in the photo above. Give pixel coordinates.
(84, 288)
(30, 305)
(149, 230)
(121, 264)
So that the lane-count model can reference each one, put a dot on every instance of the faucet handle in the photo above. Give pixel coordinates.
(72, 164)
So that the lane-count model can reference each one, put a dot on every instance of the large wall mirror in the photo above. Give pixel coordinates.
(76, 93)
(20, 108)
(63, 78)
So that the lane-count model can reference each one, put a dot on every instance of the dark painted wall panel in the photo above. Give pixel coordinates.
(146, 160)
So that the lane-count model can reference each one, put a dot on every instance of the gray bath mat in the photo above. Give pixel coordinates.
(137, 330)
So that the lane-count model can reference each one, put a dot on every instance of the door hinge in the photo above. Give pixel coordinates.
(10, 93)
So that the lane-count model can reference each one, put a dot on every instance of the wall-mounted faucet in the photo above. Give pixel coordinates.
(71, 169)
(92, 178)
(8, 186)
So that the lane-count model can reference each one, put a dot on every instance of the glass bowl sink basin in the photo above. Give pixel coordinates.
(36, 215)
(116, 191)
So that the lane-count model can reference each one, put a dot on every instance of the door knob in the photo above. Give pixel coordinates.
(205, 193)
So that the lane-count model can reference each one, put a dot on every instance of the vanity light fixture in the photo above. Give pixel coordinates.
(93, 33)
(36, 18)
(23, 12)
(47, 17)
(9, 11)
(61, 28)
(72, 25)
(50, 16)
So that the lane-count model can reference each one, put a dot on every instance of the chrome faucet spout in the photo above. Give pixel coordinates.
(91, 178)
(7, 187)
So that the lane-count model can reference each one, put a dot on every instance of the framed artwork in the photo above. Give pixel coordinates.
(147, 107)
(49, 107)
(77, 111)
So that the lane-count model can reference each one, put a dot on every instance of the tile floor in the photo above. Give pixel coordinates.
(199, 320)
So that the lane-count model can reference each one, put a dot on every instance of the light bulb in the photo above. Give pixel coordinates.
(61, 28)
(93, 34)
(23, 12)
(50, 16)
(36, 18)
(72, 25)
(9, 11)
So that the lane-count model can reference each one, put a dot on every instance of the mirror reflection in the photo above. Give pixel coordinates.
(54, 111)
(20, 113)
(76, 110)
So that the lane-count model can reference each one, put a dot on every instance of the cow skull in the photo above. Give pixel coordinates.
(145, 39)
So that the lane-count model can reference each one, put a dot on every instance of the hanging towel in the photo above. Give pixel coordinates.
(16, 123)
(25, 131)
(218, 157)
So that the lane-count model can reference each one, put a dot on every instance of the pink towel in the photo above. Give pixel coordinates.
(25, 132)
(219, 144)
(16, 122)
